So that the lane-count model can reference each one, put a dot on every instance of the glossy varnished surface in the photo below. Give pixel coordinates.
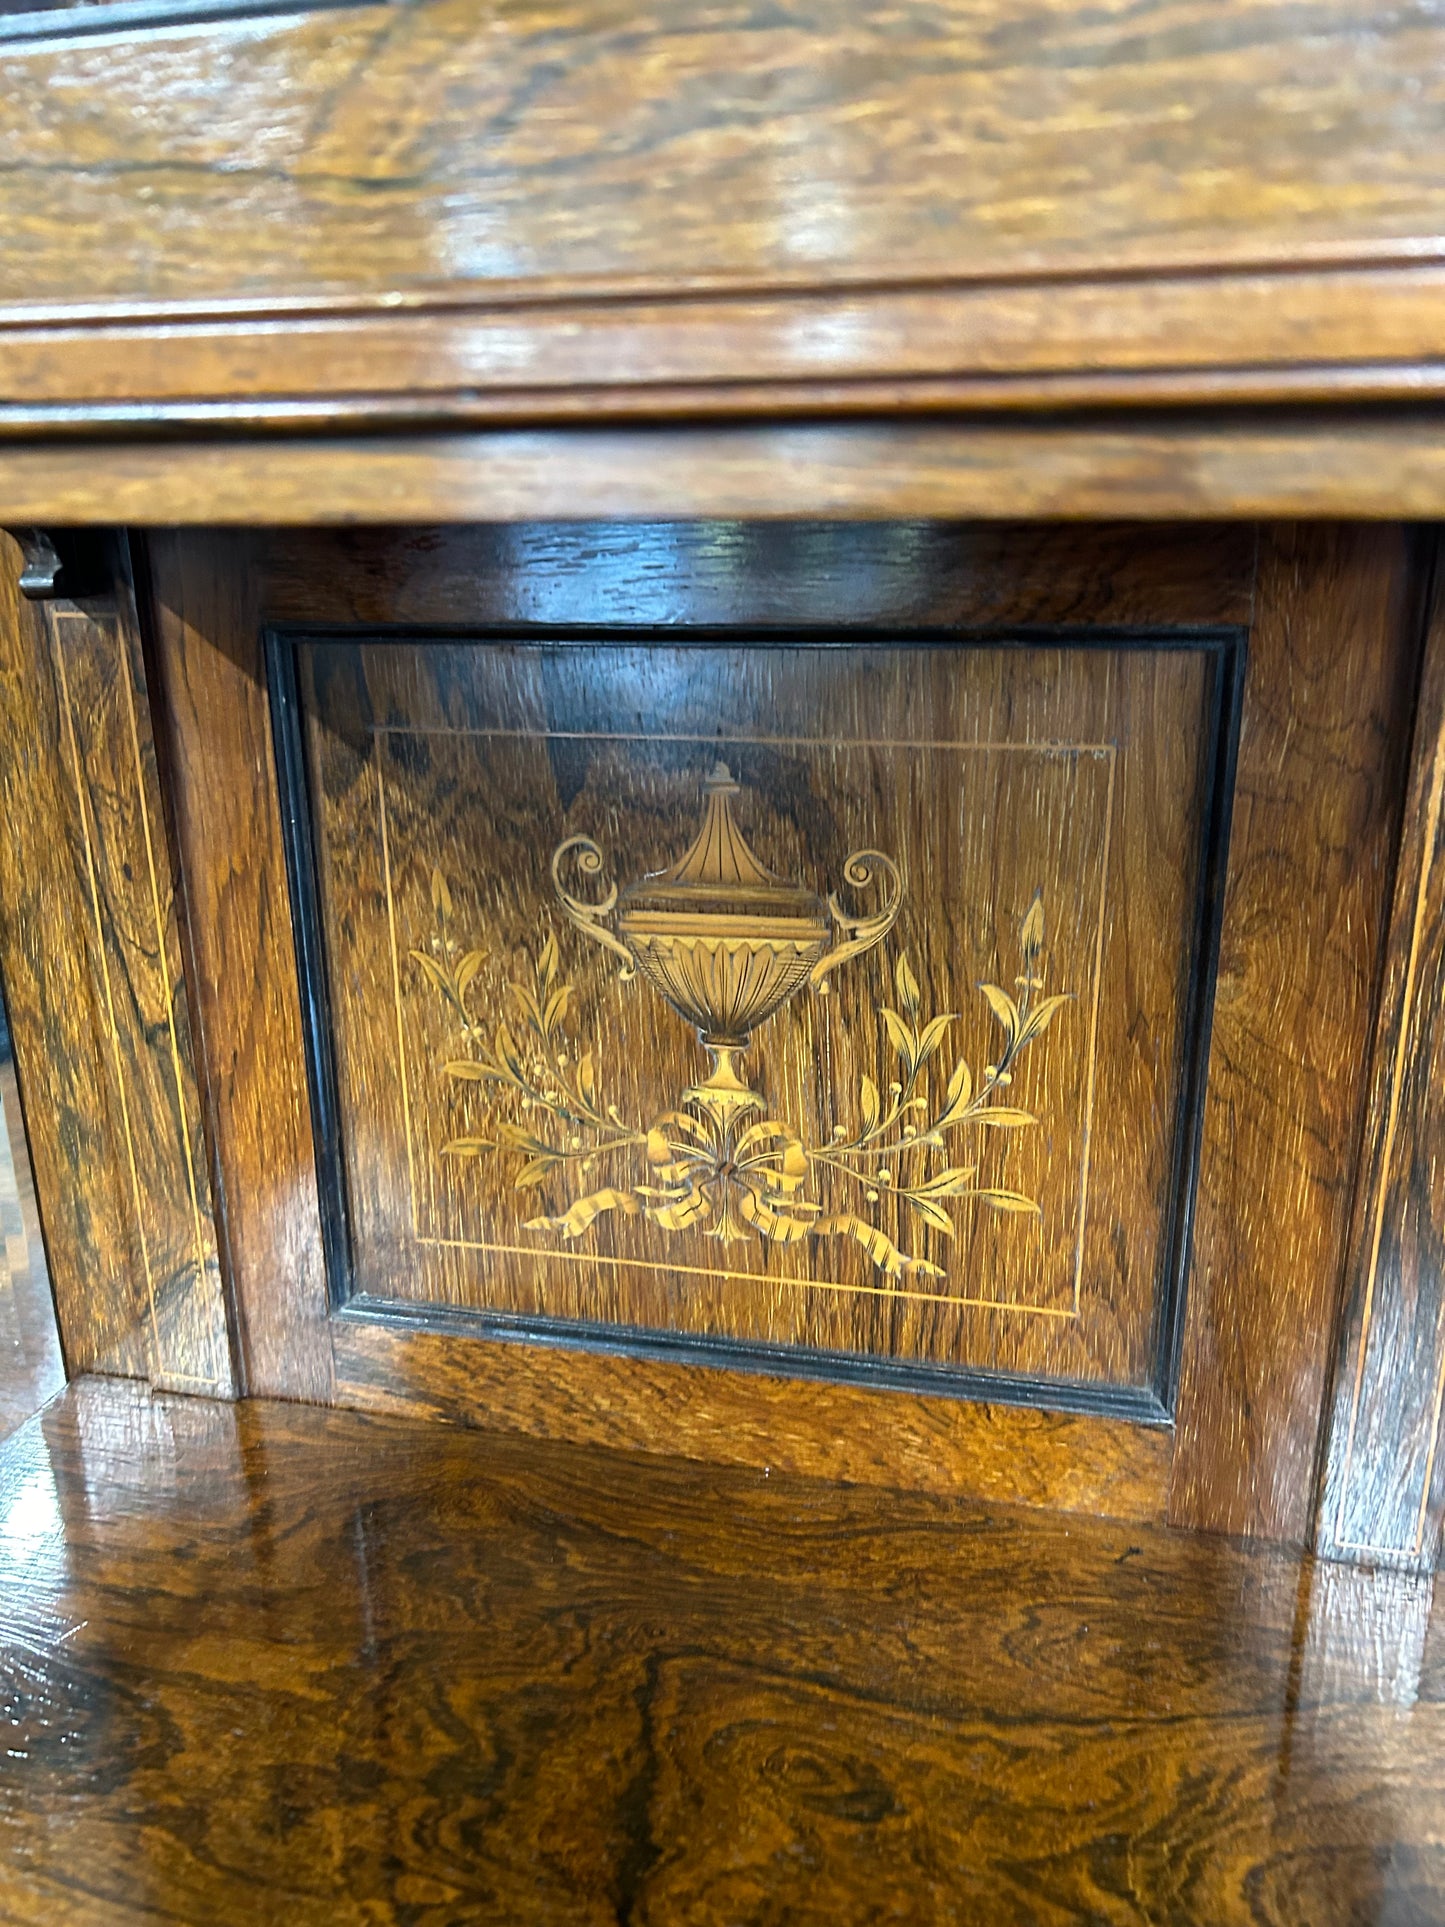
(1334, 649)
(1336, 465)
(278, 1664)
(437, 144)
(1055, 1264)
(1384, 1492)
(955, 202)
(90, 946)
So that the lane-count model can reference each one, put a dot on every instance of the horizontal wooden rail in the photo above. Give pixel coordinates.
(1384, 465)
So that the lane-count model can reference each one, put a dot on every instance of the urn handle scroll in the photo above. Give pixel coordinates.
(860, 934)
(590, 918)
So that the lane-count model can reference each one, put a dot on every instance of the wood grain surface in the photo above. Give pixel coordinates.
(377, 201)
(277, 1664)
(54, 1012)
(1333, 660)
(981, 576)
(1382, 465)
(1104, 1467)
(243, 966)
(1339, 388)
(98, 1003)
(156, 1102)
(1383, 1492)
(986, 577)
(377, 149)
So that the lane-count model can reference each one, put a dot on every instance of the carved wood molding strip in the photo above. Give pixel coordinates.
(1334, 383)
(1341, 334)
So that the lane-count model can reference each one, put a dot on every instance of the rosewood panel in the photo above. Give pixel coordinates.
(96, 995)
(1384, 1487)
(1332, 646)
(914, 574)
(55, 1015)
(934, 910)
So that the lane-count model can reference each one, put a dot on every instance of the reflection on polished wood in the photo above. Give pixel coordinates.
(31, 1370)
(279, 1664)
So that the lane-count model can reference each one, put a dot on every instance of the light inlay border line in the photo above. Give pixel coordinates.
(1108, 750)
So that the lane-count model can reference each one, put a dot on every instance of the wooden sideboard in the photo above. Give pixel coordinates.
(725, 734)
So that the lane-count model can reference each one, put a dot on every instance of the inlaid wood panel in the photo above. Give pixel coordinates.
(943, 1109)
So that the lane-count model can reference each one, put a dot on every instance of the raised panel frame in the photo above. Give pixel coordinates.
(1334, 621)
(1225, 650)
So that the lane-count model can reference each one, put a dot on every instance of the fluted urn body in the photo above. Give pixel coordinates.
(717, 934)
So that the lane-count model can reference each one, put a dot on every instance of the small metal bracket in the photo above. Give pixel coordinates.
(64, 564)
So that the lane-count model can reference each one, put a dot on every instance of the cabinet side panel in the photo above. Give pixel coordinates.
(228, 829)
(1328, 688)
(1383, 1495)
(92, 965)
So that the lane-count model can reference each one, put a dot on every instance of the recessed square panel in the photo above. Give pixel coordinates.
(833, 999)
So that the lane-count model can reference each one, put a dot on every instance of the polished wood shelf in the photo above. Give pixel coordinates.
(276, 1663)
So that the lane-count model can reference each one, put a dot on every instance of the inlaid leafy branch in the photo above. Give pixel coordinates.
(890, 1134)
(699, 1168)
(530, 1057)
